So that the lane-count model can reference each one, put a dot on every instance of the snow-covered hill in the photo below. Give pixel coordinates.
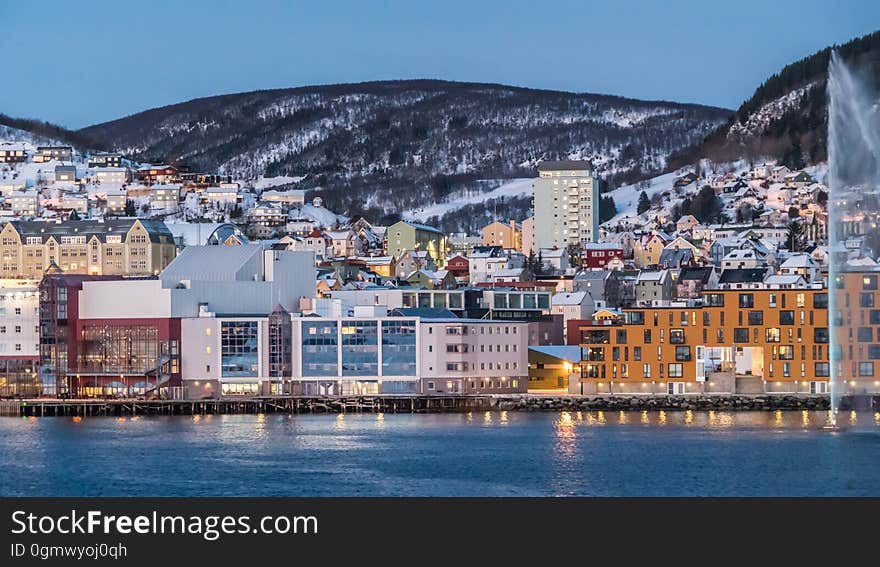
(387, 147)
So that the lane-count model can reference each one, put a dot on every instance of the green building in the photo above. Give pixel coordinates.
(403, 236)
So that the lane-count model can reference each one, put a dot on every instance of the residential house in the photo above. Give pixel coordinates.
(653, 287)
(405, 236)
(649, 247)
(504, 235)
(65, 174)
(412, 260)
(686, 223)
(150, 174)
(105, 160)
(459, 266)
(12, 152)
(574, 305)
(691, 282)
(597, 255)
(53, 153)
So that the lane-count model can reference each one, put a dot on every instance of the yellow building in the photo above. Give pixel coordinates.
(128, 247)
(647, 250)
(504, 235)
(741, 341)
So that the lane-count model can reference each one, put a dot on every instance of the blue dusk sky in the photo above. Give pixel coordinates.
(82, 62)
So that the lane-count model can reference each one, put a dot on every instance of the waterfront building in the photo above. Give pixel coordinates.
(758, 340)
(19, 338)
(123, 246)
(566, 201)
(113, 336)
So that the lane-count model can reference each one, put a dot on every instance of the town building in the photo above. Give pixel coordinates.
(504, 235)
(12, 152)
(105, 160)
(121, 246)
(405, 236)
(566, 203)
(19, 338)
(52, 153)
(755, 341)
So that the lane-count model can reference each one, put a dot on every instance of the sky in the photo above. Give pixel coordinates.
(89, 61)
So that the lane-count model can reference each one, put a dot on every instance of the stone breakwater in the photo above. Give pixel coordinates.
(683, 403)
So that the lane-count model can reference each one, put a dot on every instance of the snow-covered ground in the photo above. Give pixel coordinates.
(626, 197)
(264, 183)
(320, 215)
(510, 189)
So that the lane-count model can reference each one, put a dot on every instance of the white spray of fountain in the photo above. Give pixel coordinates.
(853, 203)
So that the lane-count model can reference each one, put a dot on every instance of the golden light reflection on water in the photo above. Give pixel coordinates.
(470, 416)
(645, 419)
(196, 418)
(566, 433)
(504, 416)
(621, 418)
(77, 419)
(601, 418)
(662, 418)
(853, 418)
(689, 417)
(805, 418)
(487, 418)
(778, 417)
(877, 418)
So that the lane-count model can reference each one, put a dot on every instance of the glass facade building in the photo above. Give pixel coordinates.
(239, 341)
(399, 348)
(360, 348)
(319, 348)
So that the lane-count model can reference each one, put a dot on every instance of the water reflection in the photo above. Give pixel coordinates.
(711, 419)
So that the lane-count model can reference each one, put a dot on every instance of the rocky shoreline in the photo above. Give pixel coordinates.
(680, 403)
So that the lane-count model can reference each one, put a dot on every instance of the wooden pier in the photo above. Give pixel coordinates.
(257, 405)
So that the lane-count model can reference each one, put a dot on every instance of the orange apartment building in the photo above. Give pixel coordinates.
(737, 341)
(855, 309)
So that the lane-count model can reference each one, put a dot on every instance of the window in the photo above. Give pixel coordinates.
(707, 319)
(621, 336)
(676, 336)
(866, 369)
(822, 369)
(865, 334)
(772, 334)
(786, 352)
(866, 300)
(869, 282)
(676, 370)
(646, 370)
(756, 317)
(430, 385)
(746, 300)
(683, 353)
(740, 335)
(714, 299)
(786, 317)
(637, 353)
(647, 340)
(820, 335)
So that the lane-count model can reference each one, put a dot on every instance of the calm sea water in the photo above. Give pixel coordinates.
(491, 454)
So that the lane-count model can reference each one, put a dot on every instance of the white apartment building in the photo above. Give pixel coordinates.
(470, 356)
(566, 201)
(19, 319)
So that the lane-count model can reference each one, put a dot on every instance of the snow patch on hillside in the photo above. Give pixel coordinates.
(264, 183)
(760, 120)
(511, 189)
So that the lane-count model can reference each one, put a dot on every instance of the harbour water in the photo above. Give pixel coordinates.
(467, 454)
